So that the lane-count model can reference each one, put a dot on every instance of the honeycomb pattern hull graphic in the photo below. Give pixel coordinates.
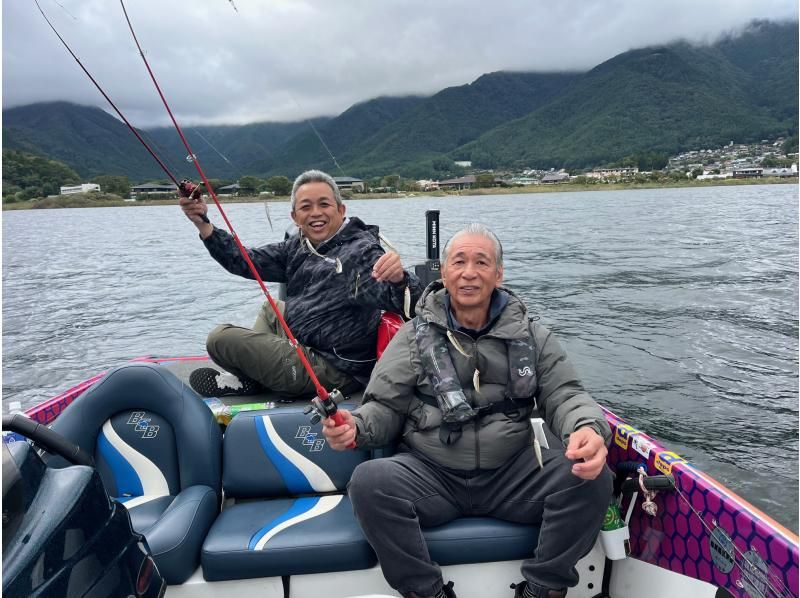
(710, 534)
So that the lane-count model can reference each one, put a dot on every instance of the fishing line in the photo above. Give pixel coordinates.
(108, 99)
(383, 239)
(219, 153)
(236, 171)
(64, 8)
(313, 128)
(321, 392)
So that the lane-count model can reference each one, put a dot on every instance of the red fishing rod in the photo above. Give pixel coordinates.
(324, 404)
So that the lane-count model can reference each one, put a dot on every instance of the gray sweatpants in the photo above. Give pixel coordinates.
(396, 496)
(264, 354)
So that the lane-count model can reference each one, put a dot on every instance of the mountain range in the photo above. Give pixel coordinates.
(662, 99)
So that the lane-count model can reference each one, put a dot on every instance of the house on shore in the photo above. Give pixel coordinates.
(553, 178)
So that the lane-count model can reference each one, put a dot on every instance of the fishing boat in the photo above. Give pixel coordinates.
(242, 495)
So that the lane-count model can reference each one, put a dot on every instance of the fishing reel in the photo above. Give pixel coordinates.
(320, 409)
(188, 189)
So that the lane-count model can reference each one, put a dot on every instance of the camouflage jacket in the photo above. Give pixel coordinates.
(392, 409)
(335, 314)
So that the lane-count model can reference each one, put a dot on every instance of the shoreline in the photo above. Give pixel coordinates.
(84, 202)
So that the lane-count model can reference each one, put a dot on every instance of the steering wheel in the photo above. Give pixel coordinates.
(42, 436)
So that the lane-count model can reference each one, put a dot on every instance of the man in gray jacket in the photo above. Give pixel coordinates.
(457, 387)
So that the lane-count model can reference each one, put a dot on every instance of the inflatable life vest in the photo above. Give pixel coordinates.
(456, 409)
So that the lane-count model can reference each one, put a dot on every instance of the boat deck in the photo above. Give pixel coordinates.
(183, 368)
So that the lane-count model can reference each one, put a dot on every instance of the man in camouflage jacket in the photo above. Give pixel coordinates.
(338, 279)
(463, 340)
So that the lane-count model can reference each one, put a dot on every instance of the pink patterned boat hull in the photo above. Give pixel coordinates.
(703, 530)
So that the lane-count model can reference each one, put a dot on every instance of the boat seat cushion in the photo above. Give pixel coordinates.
(290, 536)
(175, 527)
(291, 515)
(479, 540)
(277, 453)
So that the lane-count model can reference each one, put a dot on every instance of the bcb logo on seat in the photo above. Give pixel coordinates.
(309, 439)
(141, 423)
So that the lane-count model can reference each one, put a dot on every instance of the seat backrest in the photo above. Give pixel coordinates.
(150, 434)
(388, 326)
(278, 453)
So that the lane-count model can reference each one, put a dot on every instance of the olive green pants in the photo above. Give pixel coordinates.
(265, 355)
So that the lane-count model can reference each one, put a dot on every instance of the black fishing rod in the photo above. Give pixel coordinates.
(108, 99)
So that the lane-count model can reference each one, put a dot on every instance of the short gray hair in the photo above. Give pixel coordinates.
(316, 176)
(477, 229)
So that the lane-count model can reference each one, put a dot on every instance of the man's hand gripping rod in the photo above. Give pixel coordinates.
(321, 408)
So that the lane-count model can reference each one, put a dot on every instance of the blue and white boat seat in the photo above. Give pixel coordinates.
(157, 448)
(290, 514)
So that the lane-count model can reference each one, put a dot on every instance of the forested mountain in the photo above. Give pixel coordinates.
(34, 176)
(87, 139)
(452, 118)
(660, 99)
(351, 128)
(768, 53)
(93, 142)
(227, 151)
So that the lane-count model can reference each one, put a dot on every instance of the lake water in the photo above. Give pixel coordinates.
(679, 307)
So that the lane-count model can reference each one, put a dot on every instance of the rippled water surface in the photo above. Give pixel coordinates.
(678, 306)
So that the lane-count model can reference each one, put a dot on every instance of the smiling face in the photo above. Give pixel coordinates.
(470, 273)
(316, 213)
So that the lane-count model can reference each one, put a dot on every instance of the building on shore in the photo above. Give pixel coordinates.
(152, 188)
(84, 188)
(463, 182)
(781, 172)
(428, 185)
(228, 189)
(348, 183)
(747, 171)
(613, 173)
(553, 178)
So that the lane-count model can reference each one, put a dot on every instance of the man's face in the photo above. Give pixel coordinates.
(470, 273)
(316, 213)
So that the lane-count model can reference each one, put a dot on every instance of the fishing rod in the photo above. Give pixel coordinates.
(324, 404)
(108, 99)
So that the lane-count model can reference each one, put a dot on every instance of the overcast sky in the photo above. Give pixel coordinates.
(281, 60)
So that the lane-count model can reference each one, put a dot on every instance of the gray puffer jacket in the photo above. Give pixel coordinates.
(337, 315)
(391, 406)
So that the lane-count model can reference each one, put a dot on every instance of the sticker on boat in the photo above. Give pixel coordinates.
(721, 547)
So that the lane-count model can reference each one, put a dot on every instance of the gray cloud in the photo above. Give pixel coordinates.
(288, 59)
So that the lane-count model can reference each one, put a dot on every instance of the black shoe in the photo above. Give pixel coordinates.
(445, 592)
(208, 382)
(525, 590)
(448, 590)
